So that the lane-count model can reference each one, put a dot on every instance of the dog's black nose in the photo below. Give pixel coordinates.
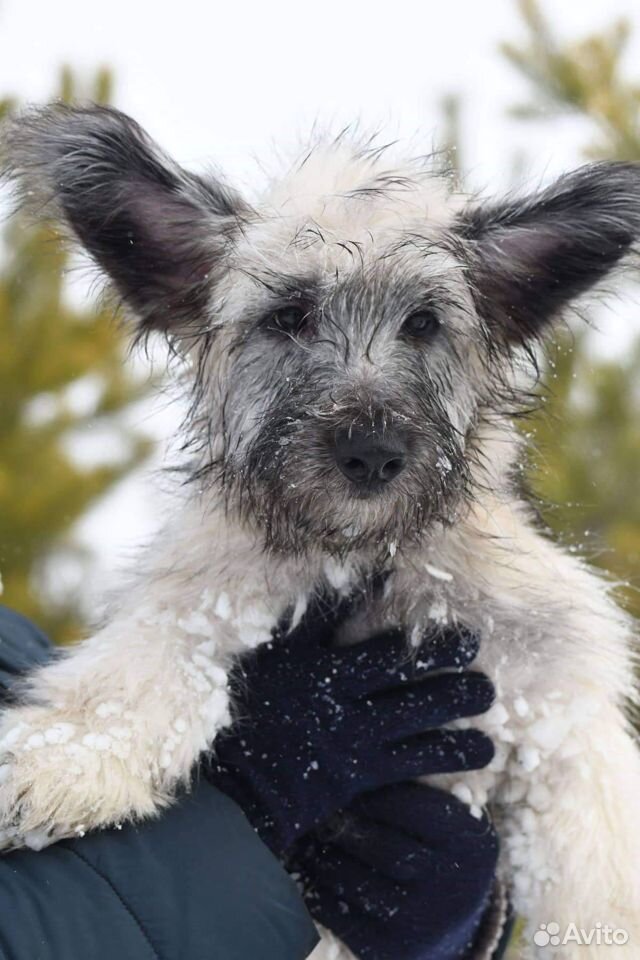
(368, 458)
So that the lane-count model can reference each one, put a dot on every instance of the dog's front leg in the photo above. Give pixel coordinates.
(109, 730)
(573, 833)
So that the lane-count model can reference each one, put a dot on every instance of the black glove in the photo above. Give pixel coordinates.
(317, 725)
(408, 873)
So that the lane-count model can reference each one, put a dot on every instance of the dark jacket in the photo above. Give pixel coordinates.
(196, 884)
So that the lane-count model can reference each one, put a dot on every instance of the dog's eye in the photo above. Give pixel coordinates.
(291, 319)
(422, 324)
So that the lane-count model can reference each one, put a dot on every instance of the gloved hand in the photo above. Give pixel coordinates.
(407, 873)
(316, 725)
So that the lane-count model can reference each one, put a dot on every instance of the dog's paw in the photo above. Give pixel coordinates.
(60, 777)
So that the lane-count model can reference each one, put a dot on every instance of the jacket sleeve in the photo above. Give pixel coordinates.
(197, 883)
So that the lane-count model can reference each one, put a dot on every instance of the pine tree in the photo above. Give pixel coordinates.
(587, 434)
(53, 351)
(584, 77)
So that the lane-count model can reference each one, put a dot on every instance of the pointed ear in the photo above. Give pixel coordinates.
(157, 231)
(530, 258)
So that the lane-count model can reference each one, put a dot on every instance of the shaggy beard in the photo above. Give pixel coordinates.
(287, 488)
(315, 512)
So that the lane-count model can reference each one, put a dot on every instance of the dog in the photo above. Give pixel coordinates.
(358, 339)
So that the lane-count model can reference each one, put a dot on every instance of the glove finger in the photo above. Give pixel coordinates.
(355, 883)
(435, 932)
(321, 616)
(450, 646)
(392, 851)
(289, 648)
(438, 751)
(387, 659)
(399, 713)
(339, 913)
(324, 613)
(435, 818)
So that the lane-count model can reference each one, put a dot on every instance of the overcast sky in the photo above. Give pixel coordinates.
(225, 80)
(232, 81)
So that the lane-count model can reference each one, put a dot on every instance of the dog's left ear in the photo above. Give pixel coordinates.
(530, 258)
(157, 231)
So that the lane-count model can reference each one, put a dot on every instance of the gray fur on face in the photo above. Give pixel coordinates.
(357, 296)
(285, 397)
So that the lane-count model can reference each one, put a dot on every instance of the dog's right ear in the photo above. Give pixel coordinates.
(157, 231)
(529, 258)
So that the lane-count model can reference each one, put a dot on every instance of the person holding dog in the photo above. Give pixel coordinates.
(320, 781)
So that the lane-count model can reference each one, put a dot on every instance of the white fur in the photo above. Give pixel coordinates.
(120, 721)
